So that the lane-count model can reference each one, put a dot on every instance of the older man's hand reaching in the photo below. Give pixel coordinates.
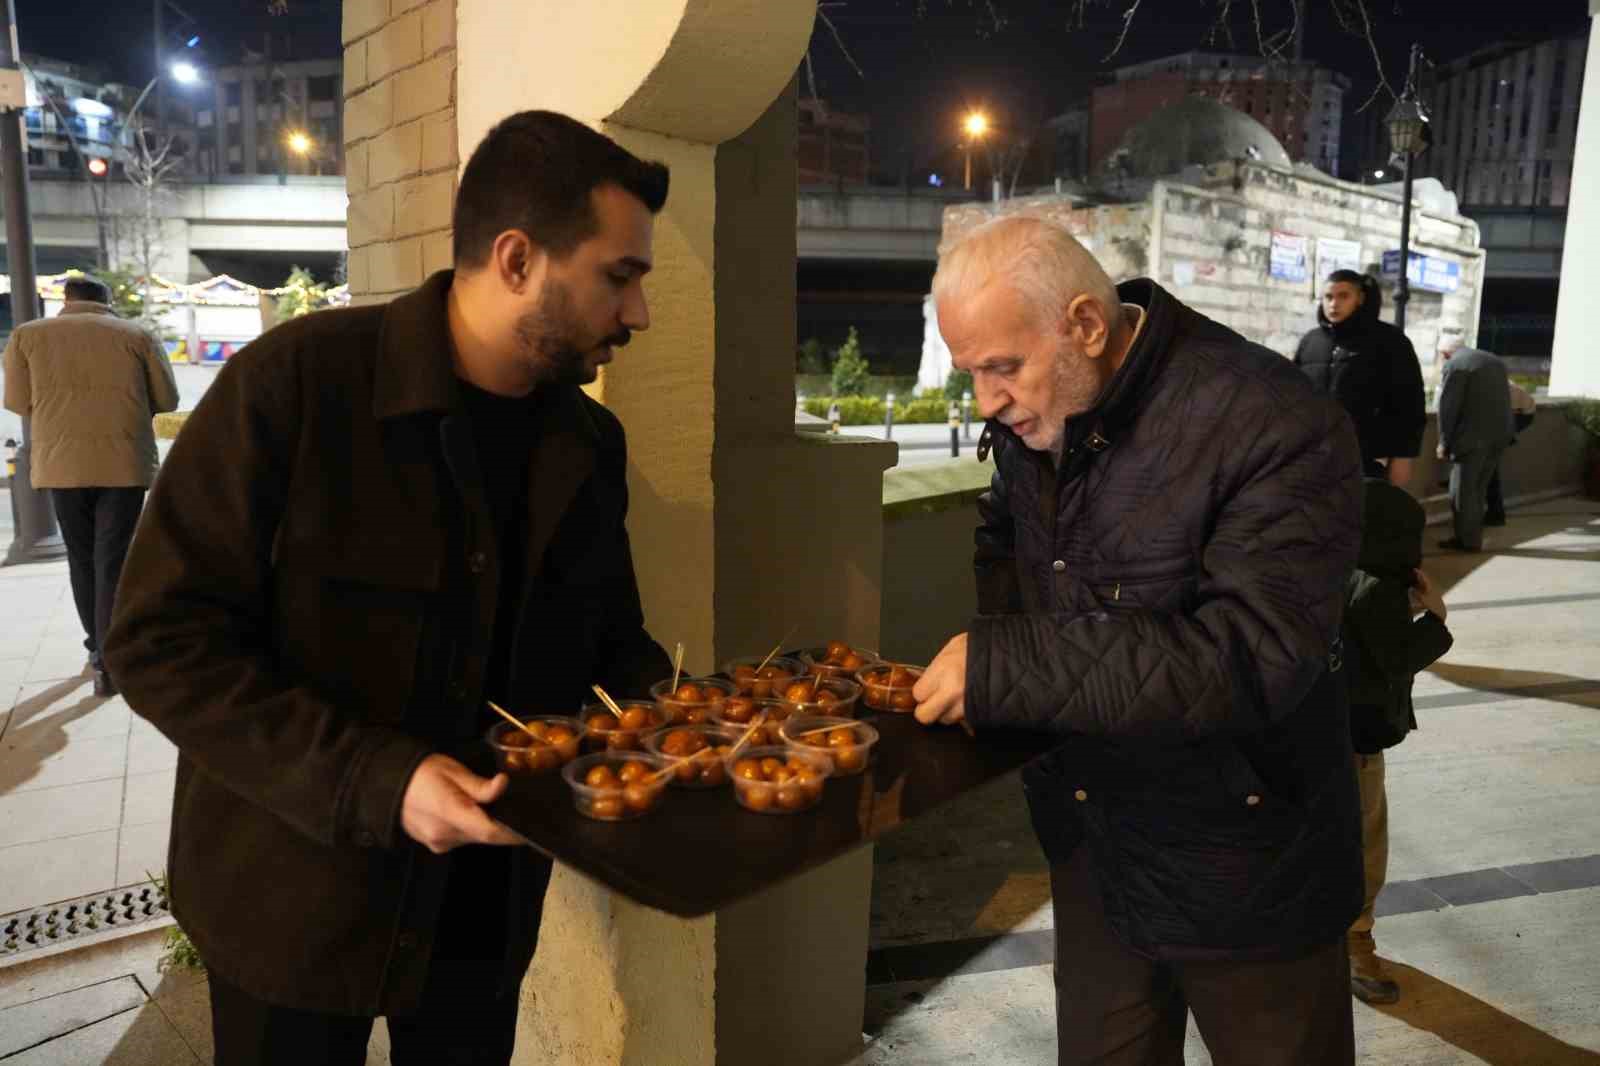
(941, 692)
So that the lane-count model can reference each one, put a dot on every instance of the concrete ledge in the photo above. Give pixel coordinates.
(935, 487)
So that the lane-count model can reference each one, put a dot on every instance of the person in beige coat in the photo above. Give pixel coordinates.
(91, 382)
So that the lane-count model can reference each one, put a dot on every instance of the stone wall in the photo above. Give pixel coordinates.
(1118, 234)
(1215, 239)
(400, 141)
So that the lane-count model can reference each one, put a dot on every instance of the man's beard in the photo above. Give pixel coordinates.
(553, 343)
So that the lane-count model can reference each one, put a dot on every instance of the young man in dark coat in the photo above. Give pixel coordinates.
(1394, 629)
(377, 520)
(1371, 368)
(1161, 565)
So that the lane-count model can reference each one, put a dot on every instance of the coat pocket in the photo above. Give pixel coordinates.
(1171, 591)
(355, 632)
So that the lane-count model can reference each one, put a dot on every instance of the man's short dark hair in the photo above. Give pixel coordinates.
(535, 172)
(89, 289)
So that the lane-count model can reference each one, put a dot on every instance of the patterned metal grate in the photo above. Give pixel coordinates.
(60, 923)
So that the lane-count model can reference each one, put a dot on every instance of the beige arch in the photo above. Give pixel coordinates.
(698, 70)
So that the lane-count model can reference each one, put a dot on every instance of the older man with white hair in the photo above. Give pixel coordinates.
(1161, 562)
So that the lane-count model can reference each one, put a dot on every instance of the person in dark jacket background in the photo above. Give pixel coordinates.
(1394, 628)
(1371, 368)
(1475, 427)
(1161, 564)
(377, 520)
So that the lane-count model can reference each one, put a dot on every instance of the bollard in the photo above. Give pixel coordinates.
(888, 417)
(966, 413)
(955, 430)
(833, 418)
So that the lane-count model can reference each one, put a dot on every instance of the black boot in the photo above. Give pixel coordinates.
(103, 685)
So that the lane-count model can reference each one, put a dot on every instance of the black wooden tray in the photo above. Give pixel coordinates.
(699, 850)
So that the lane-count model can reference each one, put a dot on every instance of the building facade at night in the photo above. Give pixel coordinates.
(834, 147)
(1302, 104)
(1505, 123)
(92, 109)
(243, 126)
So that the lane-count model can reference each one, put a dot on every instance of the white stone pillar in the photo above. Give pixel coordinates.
(741, 528)
(1575, 358)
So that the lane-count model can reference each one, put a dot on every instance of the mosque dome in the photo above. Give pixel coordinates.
(1196, 131)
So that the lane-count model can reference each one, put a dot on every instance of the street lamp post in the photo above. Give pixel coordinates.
(35, 538)
(976, 126)
(1408, 135)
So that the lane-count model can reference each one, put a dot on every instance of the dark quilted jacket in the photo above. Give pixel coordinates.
(1169, 603)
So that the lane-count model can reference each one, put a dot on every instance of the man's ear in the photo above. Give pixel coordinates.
(518, 262)
(1086, 323)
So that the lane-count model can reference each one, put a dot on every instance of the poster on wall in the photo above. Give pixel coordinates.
(1288, 261)
(1334, 254)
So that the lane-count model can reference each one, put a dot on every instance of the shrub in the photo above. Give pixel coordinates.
(812, 358)
(853, 410)
(868, 410)
(958, 382)
(850, 369)
(922, 411)
(1585, 414)
(302, 295)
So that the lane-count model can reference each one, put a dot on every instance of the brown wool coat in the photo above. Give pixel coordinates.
(307, 611)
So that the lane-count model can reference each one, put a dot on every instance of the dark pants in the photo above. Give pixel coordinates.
(97, 526)
(463, 1018)
(1495, 509)
(1116, 1008)
(1469, 493)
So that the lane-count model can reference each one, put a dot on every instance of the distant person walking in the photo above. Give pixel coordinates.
(1474, 429)
(1371, 368)
(1523, 409)
(91, 382)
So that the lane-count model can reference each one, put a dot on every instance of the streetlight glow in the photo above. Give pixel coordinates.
(185, 73)
(977, 124)
(97, 167)
(299, 143)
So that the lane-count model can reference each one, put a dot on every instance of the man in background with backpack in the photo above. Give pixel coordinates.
(1394, 628)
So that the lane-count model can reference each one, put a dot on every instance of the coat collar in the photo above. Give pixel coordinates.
(1099, 427)
(86, 307)
(415, 372)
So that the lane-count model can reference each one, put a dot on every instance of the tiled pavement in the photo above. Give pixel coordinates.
(85, 786)
(1490, 920)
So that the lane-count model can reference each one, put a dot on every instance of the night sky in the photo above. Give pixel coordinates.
(925, 61)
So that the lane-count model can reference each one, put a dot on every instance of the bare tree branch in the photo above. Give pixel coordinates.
(811, 82)
(1362, 27)
(828, 22)
(1127, 21)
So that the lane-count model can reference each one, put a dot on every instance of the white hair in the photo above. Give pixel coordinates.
(1041, 261)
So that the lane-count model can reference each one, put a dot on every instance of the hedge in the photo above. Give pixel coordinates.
(868, 410)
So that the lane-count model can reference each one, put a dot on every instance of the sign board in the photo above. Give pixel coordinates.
(1289, 257)
(1424, 271)
(13, 91)
(1334, 254)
